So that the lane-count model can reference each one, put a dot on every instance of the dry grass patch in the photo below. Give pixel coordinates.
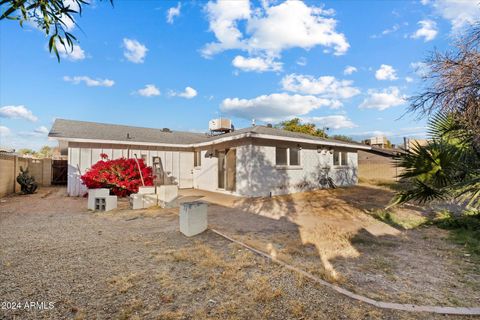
(130, 310)
(123, 283)
(262, 290)
(297, 308)
(382, 264)
(172, 315)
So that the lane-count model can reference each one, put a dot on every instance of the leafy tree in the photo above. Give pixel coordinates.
(45, 152)
(452, 83)
(295, 125)
(26, 151)
(51, 16)
(342, 137)
(388, 144)
(448, 167)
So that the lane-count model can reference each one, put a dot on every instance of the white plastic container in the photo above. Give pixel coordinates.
(193, 218)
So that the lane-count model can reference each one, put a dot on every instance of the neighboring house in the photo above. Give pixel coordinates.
(255, 161)
(409, 143)
(6, 150)
(379, 141)
(378, 164)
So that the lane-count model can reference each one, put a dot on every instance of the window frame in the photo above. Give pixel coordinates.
(288, 164)
(286, 156)
(342, 158)
(197, 159)
(344, 161)
(339, 158)
(290, 157)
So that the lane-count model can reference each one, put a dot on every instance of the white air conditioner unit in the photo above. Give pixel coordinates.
(220, 124)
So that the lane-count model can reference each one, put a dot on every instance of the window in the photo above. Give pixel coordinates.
(294, 157)
(344, 158)
(340, 158)
(336, 158)
(197, 159)
(281, 156)
(287, 156)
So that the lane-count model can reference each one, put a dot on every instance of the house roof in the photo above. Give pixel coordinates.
(387, 151)
(102, 131)
(73, 130)
(264, 130)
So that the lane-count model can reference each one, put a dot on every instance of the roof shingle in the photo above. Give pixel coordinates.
(101, 131)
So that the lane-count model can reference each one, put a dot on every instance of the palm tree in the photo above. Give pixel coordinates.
(448, 167)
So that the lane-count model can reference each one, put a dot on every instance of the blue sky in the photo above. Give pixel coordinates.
(345, 65)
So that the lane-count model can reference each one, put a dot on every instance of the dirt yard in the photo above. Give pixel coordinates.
(136, 265)
(332, 234)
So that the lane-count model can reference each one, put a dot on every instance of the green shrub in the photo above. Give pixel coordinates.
(465, 229)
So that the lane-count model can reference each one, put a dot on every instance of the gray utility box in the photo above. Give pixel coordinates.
(193, 218)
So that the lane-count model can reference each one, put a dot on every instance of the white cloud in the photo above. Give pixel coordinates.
(173, 12)
(4, 131)
(327, 86)
(274, 107)
(73, 53)
(89, 81)
(386, 72)
(428, 30)
(256, 64)
(394, 28)
(17, 112)
(272, 28)
(382, 100)
(223, 16)
(420, 68)
(460, 13)
(42, 130)
(134, 51)
(302, 61)
(388, 31)
(150, 90)
(349, 70)
(188, 93)
(333, 122)
(409, 79)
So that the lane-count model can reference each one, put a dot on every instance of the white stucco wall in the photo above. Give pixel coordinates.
(257, 174)
(205, 177)
(83, 156)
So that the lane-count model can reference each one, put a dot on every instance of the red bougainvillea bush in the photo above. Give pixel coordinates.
(121, 176)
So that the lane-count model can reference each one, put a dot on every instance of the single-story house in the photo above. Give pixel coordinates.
(254, 161)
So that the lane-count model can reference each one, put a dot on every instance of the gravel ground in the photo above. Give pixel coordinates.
(136, 265)
(329, 233)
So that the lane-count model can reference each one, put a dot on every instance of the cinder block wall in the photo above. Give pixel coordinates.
(7, 175)
(40, 169)
(377, 167)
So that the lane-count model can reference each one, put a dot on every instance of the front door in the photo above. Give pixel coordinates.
(227, 173)
(221, 169)
(186, 170)
(231, 165)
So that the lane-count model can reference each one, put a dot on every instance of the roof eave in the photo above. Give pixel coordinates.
(219, 140)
